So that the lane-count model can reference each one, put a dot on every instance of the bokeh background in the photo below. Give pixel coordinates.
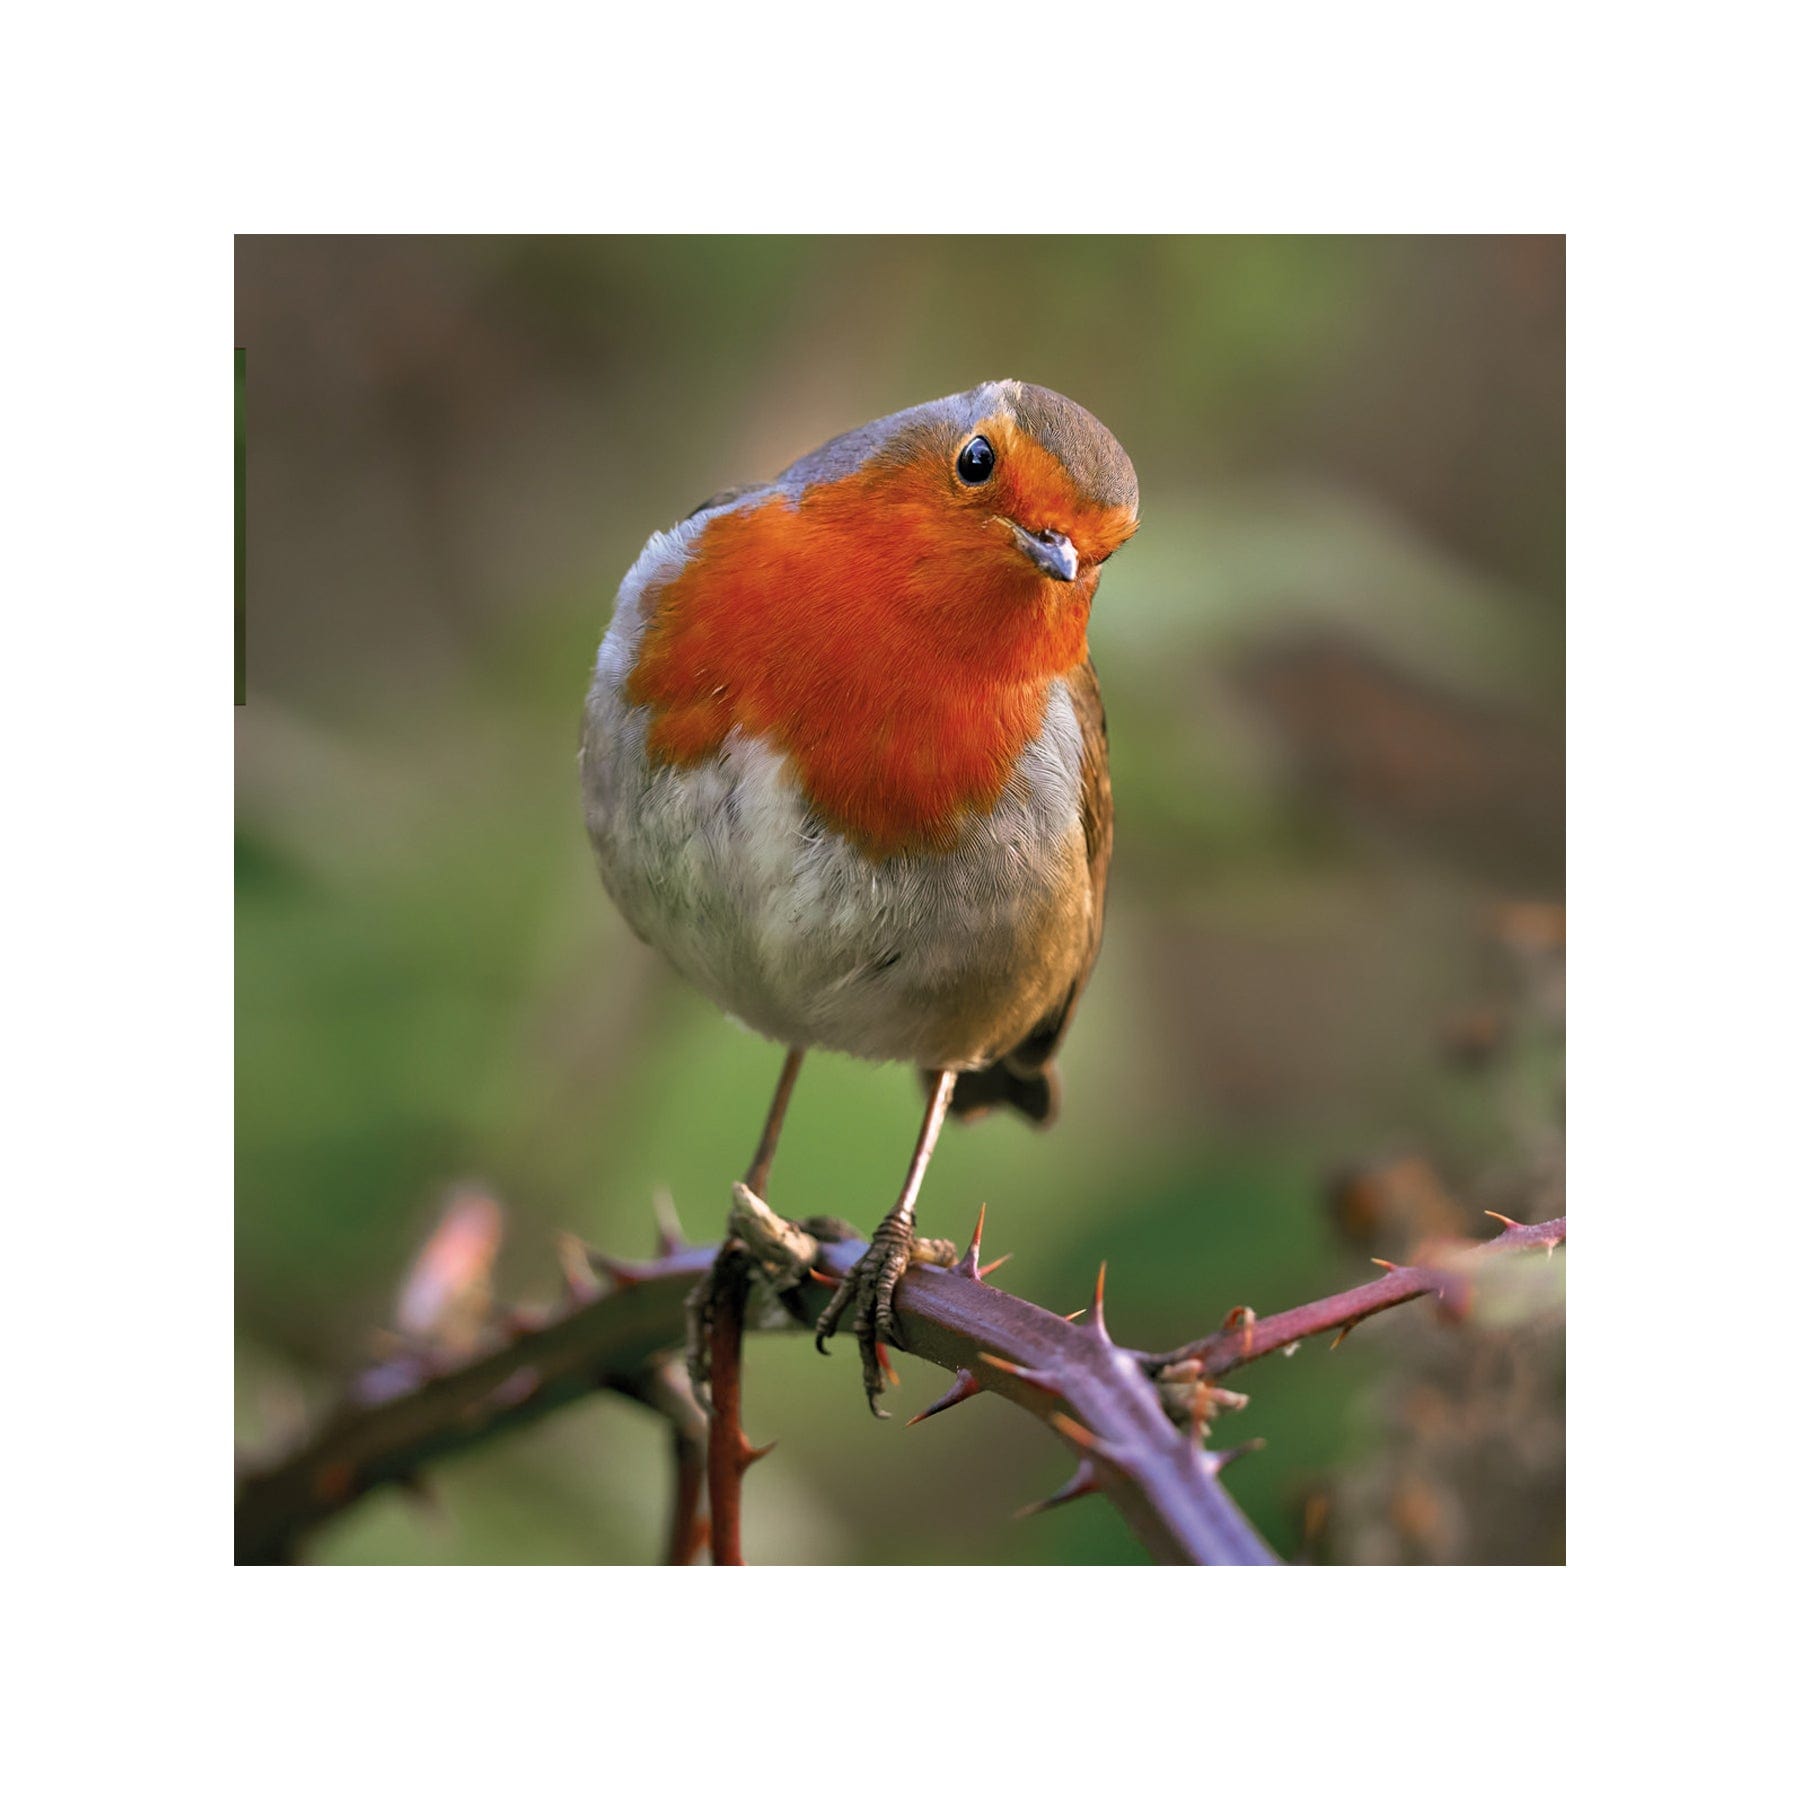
(1327, 1021)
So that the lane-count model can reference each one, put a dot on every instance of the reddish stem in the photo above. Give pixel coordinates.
(728, 1452)
(1233, 1345)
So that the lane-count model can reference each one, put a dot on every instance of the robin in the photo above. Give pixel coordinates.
(844, 762)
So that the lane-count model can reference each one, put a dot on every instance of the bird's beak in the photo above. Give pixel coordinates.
(1050, 550)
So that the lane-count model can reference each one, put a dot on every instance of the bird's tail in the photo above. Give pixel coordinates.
(1036, 1093)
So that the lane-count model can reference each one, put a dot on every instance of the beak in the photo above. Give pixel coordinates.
(1050, 550)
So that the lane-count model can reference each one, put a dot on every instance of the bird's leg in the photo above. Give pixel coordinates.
(700, 1303)
(870, 1285)
(757, 1176)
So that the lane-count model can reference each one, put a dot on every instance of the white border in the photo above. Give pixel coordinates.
(143, 139)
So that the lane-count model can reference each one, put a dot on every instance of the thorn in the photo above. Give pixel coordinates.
(970, 1263)
(1031, 1377)
(1381, 1262)
(669, 1235)
(1223, 1459)
(577, 1272)
(754, 1453)
(423, 1496)
(1244, 1317)
(1085, 1480)
(1077, 1433)
(622, 1274)
(823, 1279)
(887, 1362)
(1510, 1224)
(1097, 1322)
(1343, 1333)
(1070, 1318)
(515, 1390)
(964, 1387)
(987, 1269)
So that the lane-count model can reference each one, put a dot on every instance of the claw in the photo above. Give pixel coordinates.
(873, 1396)
(869, 1287)
(835, 1308)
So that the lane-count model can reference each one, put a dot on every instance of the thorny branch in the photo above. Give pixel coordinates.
(1441, 1269)
(728, 1452)
(1116, 1407)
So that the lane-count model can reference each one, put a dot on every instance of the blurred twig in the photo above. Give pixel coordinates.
(664, 1388)
(611, 1339)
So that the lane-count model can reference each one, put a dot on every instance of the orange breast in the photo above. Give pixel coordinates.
(885, 633)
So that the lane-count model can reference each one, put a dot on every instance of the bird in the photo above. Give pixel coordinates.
(844, 763)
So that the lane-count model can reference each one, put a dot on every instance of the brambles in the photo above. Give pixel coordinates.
(1137, 1419)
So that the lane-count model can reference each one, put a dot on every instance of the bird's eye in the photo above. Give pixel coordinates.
(976, 463)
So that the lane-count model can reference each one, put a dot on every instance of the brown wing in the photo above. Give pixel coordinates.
(1024, 1078)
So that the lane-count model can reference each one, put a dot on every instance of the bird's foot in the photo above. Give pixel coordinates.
(775, 1254)
(869, 1289)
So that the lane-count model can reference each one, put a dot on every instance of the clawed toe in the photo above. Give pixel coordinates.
(869, 1289)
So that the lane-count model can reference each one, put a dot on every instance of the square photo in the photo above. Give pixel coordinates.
(945, 854)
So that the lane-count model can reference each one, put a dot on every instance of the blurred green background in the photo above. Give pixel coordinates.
(1327, 1017)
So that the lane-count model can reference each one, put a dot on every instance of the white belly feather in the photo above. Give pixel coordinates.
(944, 960)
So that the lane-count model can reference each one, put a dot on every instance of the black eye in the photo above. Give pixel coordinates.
(976, 463)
